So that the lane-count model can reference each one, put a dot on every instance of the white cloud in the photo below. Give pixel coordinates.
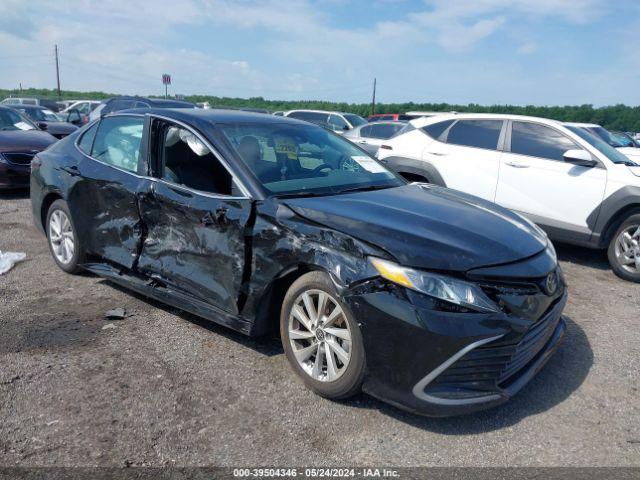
(123, 46)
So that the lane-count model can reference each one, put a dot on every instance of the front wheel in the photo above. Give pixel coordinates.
(321, 339)
(624, 249)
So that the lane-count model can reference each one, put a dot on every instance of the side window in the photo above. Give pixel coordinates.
(366, 131)
(384, 131)
(436, 129)
(186, 160)
(86, 141)
(83, 108)
(539, 141)
(118, 140)
(337, 123)
(476, 133)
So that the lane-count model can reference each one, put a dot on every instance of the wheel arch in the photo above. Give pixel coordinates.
(413, 169)
(267, 319)
(616, 220)
(47, 201)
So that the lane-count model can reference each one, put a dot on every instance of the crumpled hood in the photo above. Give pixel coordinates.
(427, 227)
(25, 140)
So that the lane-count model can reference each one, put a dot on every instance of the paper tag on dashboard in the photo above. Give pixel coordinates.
(369, 164)
(23, 126)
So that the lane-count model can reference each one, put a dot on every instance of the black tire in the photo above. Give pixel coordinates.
(350, 381)
(625, 272)
(73, 265)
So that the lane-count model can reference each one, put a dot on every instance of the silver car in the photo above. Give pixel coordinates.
(371, 135)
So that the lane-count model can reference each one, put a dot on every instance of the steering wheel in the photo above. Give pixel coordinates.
(321, 167)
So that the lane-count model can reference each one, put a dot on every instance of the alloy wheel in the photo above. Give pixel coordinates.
(627, 249)
(320, 335)
(61, 237)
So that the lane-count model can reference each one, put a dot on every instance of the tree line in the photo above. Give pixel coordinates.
(613, 117)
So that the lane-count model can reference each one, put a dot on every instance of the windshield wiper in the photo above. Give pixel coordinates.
(301, 194)
(366, 188)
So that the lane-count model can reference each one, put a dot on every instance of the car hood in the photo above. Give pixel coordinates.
(631, 152)
(25, 140)
(427, 226)
(635, 170)
(60, 127)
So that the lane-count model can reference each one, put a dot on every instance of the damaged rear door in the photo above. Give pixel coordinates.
(195, 219)
(110, 178)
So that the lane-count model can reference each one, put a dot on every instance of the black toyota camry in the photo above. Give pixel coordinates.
(430, 299)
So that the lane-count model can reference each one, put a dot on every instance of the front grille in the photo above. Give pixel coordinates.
(19, 158)
(489, 366)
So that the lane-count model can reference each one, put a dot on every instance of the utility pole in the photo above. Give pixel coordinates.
(58, 73)
(373, 100)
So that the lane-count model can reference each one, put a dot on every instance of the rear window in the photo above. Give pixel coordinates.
(313, 117)
(436, 129)
(385, 131)
(476, 133)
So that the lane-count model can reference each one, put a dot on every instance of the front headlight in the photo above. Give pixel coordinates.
(442, 287)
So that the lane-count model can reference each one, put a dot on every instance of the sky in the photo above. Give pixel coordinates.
(540, 52)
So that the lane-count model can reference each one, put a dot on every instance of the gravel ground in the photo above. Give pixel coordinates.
(165, 388)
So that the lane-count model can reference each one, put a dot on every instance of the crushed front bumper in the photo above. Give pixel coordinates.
(441, 363)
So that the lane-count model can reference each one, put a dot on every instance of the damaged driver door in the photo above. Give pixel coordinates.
(195, 219)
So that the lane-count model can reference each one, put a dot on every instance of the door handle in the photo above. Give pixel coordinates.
(517, 165)
(438, 154)
(363, 141)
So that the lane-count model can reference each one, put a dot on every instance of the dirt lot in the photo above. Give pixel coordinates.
(165, 388)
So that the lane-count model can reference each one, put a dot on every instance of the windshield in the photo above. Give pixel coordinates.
(354, 120)
(40, 115)
(624, 139)
(10, 120)
(606, 136)
(612, 154)
(305, 160)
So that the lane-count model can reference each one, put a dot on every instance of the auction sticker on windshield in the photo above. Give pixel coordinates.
(369, 164)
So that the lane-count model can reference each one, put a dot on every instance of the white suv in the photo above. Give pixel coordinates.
(574, 185)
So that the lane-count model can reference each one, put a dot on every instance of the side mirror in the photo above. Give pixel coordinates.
(346, 128)
(42, 125)
(578, 157)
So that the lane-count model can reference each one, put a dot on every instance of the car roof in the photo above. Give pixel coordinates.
(158, 102)
(213, 116)
(23, 106)
(582, 125)
(422, 121)
(319, 111)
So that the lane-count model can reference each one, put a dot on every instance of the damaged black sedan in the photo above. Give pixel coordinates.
(430, 299)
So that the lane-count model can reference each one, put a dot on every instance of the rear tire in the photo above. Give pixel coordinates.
(624, 249)
(64, 244)
(325, 349)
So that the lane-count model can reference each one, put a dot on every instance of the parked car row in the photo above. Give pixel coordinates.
(20, 140)
(562, 176)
